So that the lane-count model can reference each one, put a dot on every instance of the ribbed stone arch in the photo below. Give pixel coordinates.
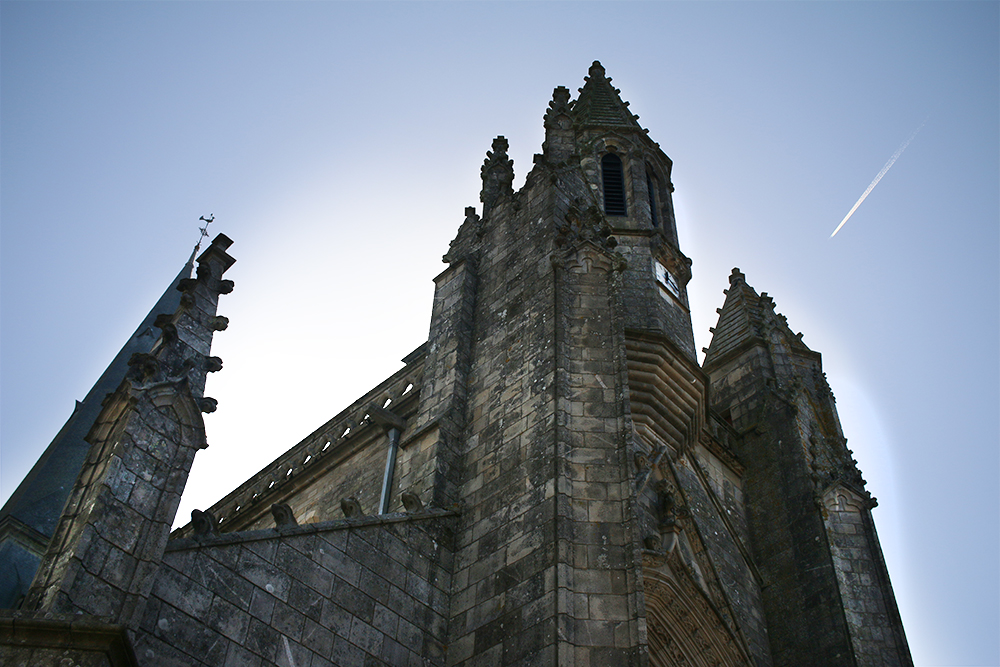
(683, 628)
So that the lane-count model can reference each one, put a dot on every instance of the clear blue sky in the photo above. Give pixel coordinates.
(339, 143)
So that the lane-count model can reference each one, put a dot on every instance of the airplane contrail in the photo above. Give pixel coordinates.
(871, 186)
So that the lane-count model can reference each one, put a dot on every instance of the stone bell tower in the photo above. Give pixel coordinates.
(568, 324)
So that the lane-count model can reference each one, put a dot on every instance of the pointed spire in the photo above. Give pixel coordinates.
(744, 317)
(600, 102)
(29, 517)
(736, 324)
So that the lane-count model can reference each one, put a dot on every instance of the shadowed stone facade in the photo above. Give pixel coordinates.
(550, 479)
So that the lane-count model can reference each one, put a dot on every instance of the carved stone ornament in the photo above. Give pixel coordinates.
(666, 503)
(283, 516)
(143, 366)
(683, 626)
(497, 173)
(350, 507)
(204, 523)
(411, 502)
(584, 224)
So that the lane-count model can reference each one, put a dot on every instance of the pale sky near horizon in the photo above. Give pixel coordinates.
(338, 143)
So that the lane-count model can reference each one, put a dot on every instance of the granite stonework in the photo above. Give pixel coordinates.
(550, 479)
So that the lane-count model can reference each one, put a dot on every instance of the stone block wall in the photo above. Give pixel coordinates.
(371, 591)
(871, 615)
(599, 570)
(430, 457)
(645, 305)
(504, 586)
(317, 497)
(729, 557)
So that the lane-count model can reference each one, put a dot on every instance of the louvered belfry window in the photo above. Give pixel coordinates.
(614, 185)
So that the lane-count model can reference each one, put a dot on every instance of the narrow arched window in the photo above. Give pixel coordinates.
(651, 187)
(614, 185)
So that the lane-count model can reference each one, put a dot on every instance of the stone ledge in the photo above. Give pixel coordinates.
(240, 537)
(62, 632)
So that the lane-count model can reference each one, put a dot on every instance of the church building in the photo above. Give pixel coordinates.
(551, 478)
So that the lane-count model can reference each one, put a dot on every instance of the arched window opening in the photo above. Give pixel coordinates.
(654, 216)
(614, 185)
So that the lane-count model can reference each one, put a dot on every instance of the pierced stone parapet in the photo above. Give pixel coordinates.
(316, 447)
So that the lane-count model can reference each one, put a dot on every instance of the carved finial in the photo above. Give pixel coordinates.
(557, 107)
(597, 69)
(559, 140)
(498, 175)
(736, 277)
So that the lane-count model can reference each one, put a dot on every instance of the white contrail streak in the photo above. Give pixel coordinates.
(871, 186)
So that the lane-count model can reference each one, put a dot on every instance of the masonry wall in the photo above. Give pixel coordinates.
(800, 594)
(644, 306)
(728, 552)
(372, 591)
(600, 569)
(504, 587)
(871, 615)
(358, 475)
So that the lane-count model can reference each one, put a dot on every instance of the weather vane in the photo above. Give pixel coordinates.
(204, 230)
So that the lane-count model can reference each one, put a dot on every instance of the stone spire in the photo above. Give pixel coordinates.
(29, 517)
(600, 102)
(746, 316)
(113, 529)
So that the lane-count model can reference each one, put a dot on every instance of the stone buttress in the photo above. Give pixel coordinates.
(827, 594)
(30, 515)
(109, 542)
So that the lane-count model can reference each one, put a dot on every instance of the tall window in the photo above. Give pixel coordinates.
(614, 185)
(651, 187)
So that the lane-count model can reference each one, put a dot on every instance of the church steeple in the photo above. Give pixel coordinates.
(626, 178)
(29, 517)
(600, 103)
